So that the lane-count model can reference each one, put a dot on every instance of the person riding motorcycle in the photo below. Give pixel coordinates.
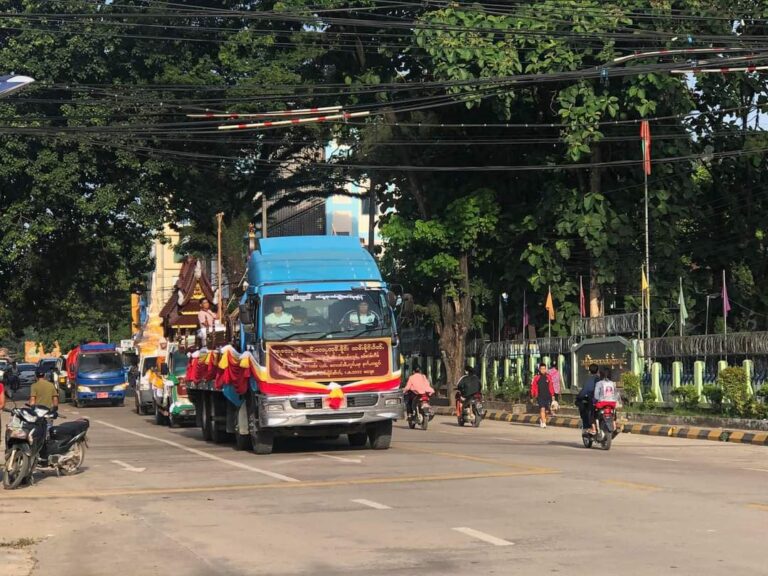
(585, 400)
(417, 386)
(468, 385)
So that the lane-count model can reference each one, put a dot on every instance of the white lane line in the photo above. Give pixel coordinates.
(341, 459)
(505, 439)
(197, 452)
(659, 458)
(127, 467)
(756, 469)
(484, 537)
(372, 504)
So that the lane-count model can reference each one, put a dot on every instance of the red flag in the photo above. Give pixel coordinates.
(645, 136)
(582, 300)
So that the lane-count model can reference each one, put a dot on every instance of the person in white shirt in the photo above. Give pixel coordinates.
(278, 316)
(363, 316)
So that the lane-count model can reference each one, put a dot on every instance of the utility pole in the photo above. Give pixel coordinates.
(263, 214)
(371, 217)
(219, 218)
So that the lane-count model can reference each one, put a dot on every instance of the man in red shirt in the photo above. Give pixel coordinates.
(416, 386)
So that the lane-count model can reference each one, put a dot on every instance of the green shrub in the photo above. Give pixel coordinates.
(733, 381)
(512, 390)
(630, 385)
(762, 394)
(649, 400)
(686, 396)
(714, 395)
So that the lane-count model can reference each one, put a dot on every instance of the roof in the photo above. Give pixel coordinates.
(311, 259)
(186, 283)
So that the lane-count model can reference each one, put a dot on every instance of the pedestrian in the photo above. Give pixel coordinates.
(542, 392)
(554, 375)
(2, 396)
(44, 393)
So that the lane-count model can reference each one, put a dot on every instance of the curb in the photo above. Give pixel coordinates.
(690, 433)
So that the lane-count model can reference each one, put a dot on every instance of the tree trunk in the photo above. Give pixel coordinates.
(455, 318)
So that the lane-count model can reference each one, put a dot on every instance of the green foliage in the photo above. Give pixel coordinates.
(733, 381)
(630, 386)
(512, 390)
(687, 397)
(714, 395)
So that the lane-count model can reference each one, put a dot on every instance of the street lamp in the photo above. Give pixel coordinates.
(12, 83)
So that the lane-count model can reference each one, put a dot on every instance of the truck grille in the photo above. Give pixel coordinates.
(336, 416)
(306, 403)
(362, 400)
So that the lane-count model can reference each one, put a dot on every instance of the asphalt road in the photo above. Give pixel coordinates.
(500, 499)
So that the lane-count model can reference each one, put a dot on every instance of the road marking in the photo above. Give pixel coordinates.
(756, 469)
(484, 537)
(340, 458)
(659, 458)
(459, 456)
(28, 495)
(505, 439)
(372, 504)
(197, 452)
(127, 467)
(633, 485)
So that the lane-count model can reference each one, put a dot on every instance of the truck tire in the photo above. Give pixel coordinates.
(218, 429)
(206, 426)
(358, 440)
(263, 441)
(139, 406)
(160, 420)
(380, 435)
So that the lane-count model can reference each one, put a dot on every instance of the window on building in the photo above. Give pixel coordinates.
(341, 224)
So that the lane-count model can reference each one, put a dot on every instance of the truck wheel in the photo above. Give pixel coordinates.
(137, 404)
(173, 422)
(380, 435)
(75, 403)
(218, 431)
(358, 440)
(160, 420)
(263, 441)
(206, 426)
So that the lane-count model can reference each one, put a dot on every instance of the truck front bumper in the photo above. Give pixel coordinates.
(313, 411)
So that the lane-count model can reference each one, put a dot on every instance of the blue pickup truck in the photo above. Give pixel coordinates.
(100, 377)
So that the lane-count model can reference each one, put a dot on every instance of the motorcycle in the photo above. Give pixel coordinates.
(32, 442)
(421, 413)
(471, 412)
(605, 423)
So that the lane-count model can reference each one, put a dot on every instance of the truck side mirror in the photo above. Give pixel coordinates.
(246, 315)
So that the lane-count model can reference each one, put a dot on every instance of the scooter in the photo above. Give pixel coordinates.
(471, 412)
(32, 442)
(605, 423)
(421, 414)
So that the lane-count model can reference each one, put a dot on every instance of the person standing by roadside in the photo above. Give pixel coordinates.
(44, 393)
(554, 375)
(542, 393)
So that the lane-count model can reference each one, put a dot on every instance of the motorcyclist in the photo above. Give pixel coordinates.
(468, 385)
(585, 400)
(417, 385)
(11, 378)
(606, 393)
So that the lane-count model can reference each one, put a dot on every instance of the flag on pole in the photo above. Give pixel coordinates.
(582, 300)
(681, 304)
(645, 289)
(645, 136)
(726, 302)
(550, 306)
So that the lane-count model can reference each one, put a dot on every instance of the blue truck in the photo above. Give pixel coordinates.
(99, 375)
(319, 341)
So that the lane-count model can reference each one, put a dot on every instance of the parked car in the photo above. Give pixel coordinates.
(4, 363)
(47, 365)
(26, 373)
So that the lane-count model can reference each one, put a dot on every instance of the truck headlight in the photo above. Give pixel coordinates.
(392, 402)
(83, 389)
(274, 407)
(120, 387)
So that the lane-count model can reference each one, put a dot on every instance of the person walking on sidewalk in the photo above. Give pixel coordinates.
(542, 392)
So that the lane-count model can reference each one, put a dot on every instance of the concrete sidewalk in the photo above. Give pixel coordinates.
(691, 433)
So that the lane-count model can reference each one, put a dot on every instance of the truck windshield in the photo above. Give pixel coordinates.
(179, 363)
(315, 315)
(102, 362)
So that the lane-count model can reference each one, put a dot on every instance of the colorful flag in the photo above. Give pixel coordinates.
(582, 300)
(645, 289)
(681, 304)
(550, 306)
(645, 136)
(726, 302)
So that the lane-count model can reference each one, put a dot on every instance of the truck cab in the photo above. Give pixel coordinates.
(100, 377)
(318, 320)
